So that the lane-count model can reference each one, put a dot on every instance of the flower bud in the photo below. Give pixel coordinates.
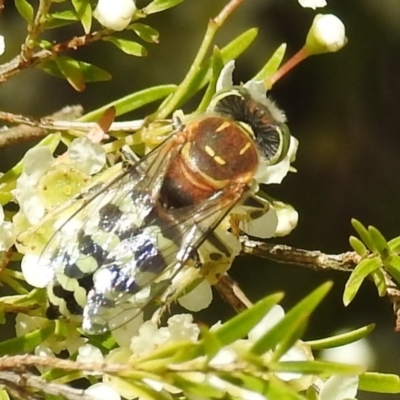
(327, 35)
(115, 14)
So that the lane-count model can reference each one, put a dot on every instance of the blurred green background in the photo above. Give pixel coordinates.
(343, 107)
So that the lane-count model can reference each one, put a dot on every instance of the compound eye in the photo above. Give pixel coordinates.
(271, 136)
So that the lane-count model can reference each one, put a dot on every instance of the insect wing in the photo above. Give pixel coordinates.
(91, 229)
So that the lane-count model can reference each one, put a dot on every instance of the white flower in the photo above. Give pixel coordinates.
(326, 35)
(36, 274)
(275, 173)
(274, 316)
(287, 218)
(339, 387)
(2, 45)
(7, 236)
(87, 156)
(115, 14)
(89, 353)
(180, 328)
(102, 391)
(359, 352)
(262, 227)
(312, 3)
(197, 299)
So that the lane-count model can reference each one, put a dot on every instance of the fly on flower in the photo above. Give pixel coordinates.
(126, 240)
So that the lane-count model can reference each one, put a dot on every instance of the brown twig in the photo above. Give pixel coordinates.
(21, 62)
(18, 384)
(318, 261)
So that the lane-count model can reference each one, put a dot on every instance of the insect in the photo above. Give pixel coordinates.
(127, 239)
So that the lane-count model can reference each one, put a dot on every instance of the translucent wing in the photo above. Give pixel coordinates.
(121, 248)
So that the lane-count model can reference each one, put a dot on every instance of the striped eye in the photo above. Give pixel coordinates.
(270, 133)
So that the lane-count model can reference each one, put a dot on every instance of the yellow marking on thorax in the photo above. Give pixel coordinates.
(245, 148)
(219, 160)
(224, 125)
(209, 151)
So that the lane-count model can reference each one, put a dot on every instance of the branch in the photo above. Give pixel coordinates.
(319, 261)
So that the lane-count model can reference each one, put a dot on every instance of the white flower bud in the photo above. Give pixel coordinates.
(327, 35)
(115, 14)
(2, 45)
(312, 3)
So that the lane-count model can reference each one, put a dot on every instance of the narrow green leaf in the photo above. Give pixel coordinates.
(217, 64)
(379, 383)
(293, 320)
(240, 325)
(160, 5)
(127, 46)
(358, 246)
(278, 390)
(364, 234)
(84, 12)
(4, 395)
(72, 72)
(131, 102)
(379, 241)
(357, 277)
(316, 367)
(379, 280)
(230, 52)
(211, 344)
(272, 65)
(90, 72)
(25, 10)
(145, 32)
(392, 265)
(394, 244)
(26, 343)
(342, 339)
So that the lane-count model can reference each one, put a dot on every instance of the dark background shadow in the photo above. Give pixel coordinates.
(342, 107)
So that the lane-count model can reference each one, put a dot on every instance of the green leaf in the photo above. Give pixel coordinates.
(278, 390)
(231, 51)
(341, 339)
(272, 64)
(316, 367)
(357, 277)
(358, 246)
(4, 395)
(26, 343)
(127, 46)
(145, 32)
(72, 72)
(240, 325)
(90, 72)
(379, 383)
(392, 265)
(379, 241)
(293, 320)
(160, 5)
(394, 244)
(59, 19)
(131, 102)
(364, 234)
(84, 12)
(217, 64)
(379, 280)
(25, 10)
